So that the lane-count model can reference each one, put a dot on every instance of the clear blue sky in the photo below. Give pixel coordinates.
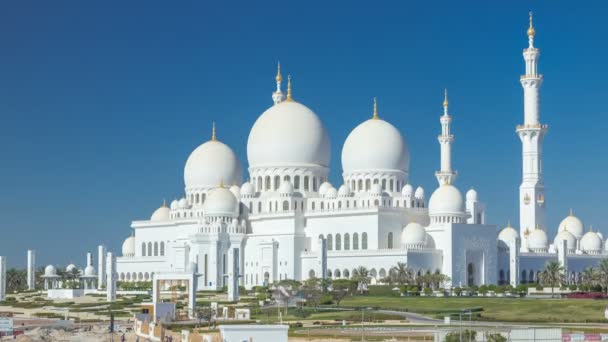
(101, 103)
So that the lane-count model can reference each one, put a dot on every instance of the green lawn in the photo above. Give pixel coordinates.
(272, 316)
(494, 309)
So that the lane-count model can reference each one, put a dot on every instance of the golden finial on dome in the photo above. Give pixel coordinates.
(279, 78)
(526, 232)
(509, 224)
(571, 212)
(164, 203)
(445, 98)
(590, 228)
(375, 115)
(289, 98)
(221, 183)
(531, 30)
(213, 135)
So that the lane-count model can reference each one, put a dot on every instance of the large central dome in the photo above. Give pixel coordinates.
(288, 134)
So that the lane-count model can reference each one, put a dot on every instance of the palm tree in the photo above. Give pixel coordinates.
(401, 274)
(552, 275)
(602, 274)
(361, 276)
(589, 277)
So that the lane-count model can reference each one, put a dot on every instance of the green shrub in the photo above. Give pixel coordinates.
(427, 291)
(467, 335)
(495, 337)
(326, 300)
(572, 287)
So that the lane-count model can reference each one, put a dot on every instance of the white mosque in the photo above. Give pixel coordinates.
(288, 222)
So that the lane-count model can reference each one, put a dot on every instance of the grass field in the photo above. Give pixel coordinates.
(494, 309)
(271, 316)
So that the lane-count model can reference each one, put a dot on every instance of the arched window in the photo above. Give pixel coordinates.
(355, 241)
(305, 183)
(162, 248)
(337, 274)
(250, 207)
(330, 242)
(392, 183)
(322, 205)
(196, 198)
(338, 242)
(311, 274)
(156, 249)
(286, 178)
(267, 181)
(285, 205)
(143, 249)
(376, 203)
(364, 241)
(384, 184)
(390, 240)
(296, 182)
(314, 183)
(340, 205)
(277, 181)
(523, 277)
(346, 242)
(360, 185)
(368, 184)
(149, 248)
(259, 207)
(313, 205)
(346, 274)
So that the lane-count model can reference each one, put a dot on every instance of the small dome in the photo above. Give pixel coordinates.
(236, 191)
(565, 235)
(220, 201)
(174, 205)
(375, 190)
(247, 190)
(183, 204)
(211, 163)
(419, 194)
(324, 187)
(507, 235)
(89, 271)
(413, 236)
(572, 224)
(286, 188)
(128, 247)
(472, 195)
(538, 241)
(70, 268)
(160, 214)
(447, 199)
(50, 271)
(331, 193)
(288, 133)
(375, 145)
(591, 243)
(407, 190)
(344, 191)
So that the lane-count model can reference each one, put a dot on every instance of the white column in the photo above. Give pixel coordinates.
(562, 256)
(111, 277)
(2, 278)
(31, 269)
(322, 258)
(445, 175)
(101, 266)
(233, 274)
(192, 295)
(514, 247)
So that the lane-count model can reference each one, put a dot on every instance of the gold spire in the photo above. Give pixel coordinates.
(445, 98)
(590, 228)
(289, 98)
(509, 224)
(571, 212)
(222, 183)
(164, 203)
(213, 135)
(531, 30)
(279, 78)
(375, 115)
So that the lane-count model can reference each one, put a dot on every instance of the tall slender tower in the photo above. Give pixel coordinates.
(278, 96)
(445, 175)
(531, 133)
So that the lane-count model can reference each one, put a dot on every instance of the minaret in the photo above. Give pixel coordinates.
(531, 133)
(278, 96)
(445, 175)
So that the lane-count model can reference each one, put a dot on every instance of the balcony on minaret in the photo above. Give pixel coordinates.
(532, 127)
(531, 77)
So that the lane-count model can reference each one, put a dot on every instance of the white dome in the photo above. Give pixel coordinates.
(472, 195)
(447, 199)
(507, 235)
(324, 187)
(286, 188)
(160, 214)
(174, 205)
(50, 271)
(128, 247)
(375, 145)
(288, 133)
(344, 191)
(247, 189)
(590, 242)
(572, 224)
(89, 271)
(601, 236)
(331, 193)
(236, 191)
(407, 190)
(538, 241)
(183, 204)
(413, 235)
(70, 268)
(220, 201)
(565, 235)
(210, 164)
(376, 190)
(419, 194)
